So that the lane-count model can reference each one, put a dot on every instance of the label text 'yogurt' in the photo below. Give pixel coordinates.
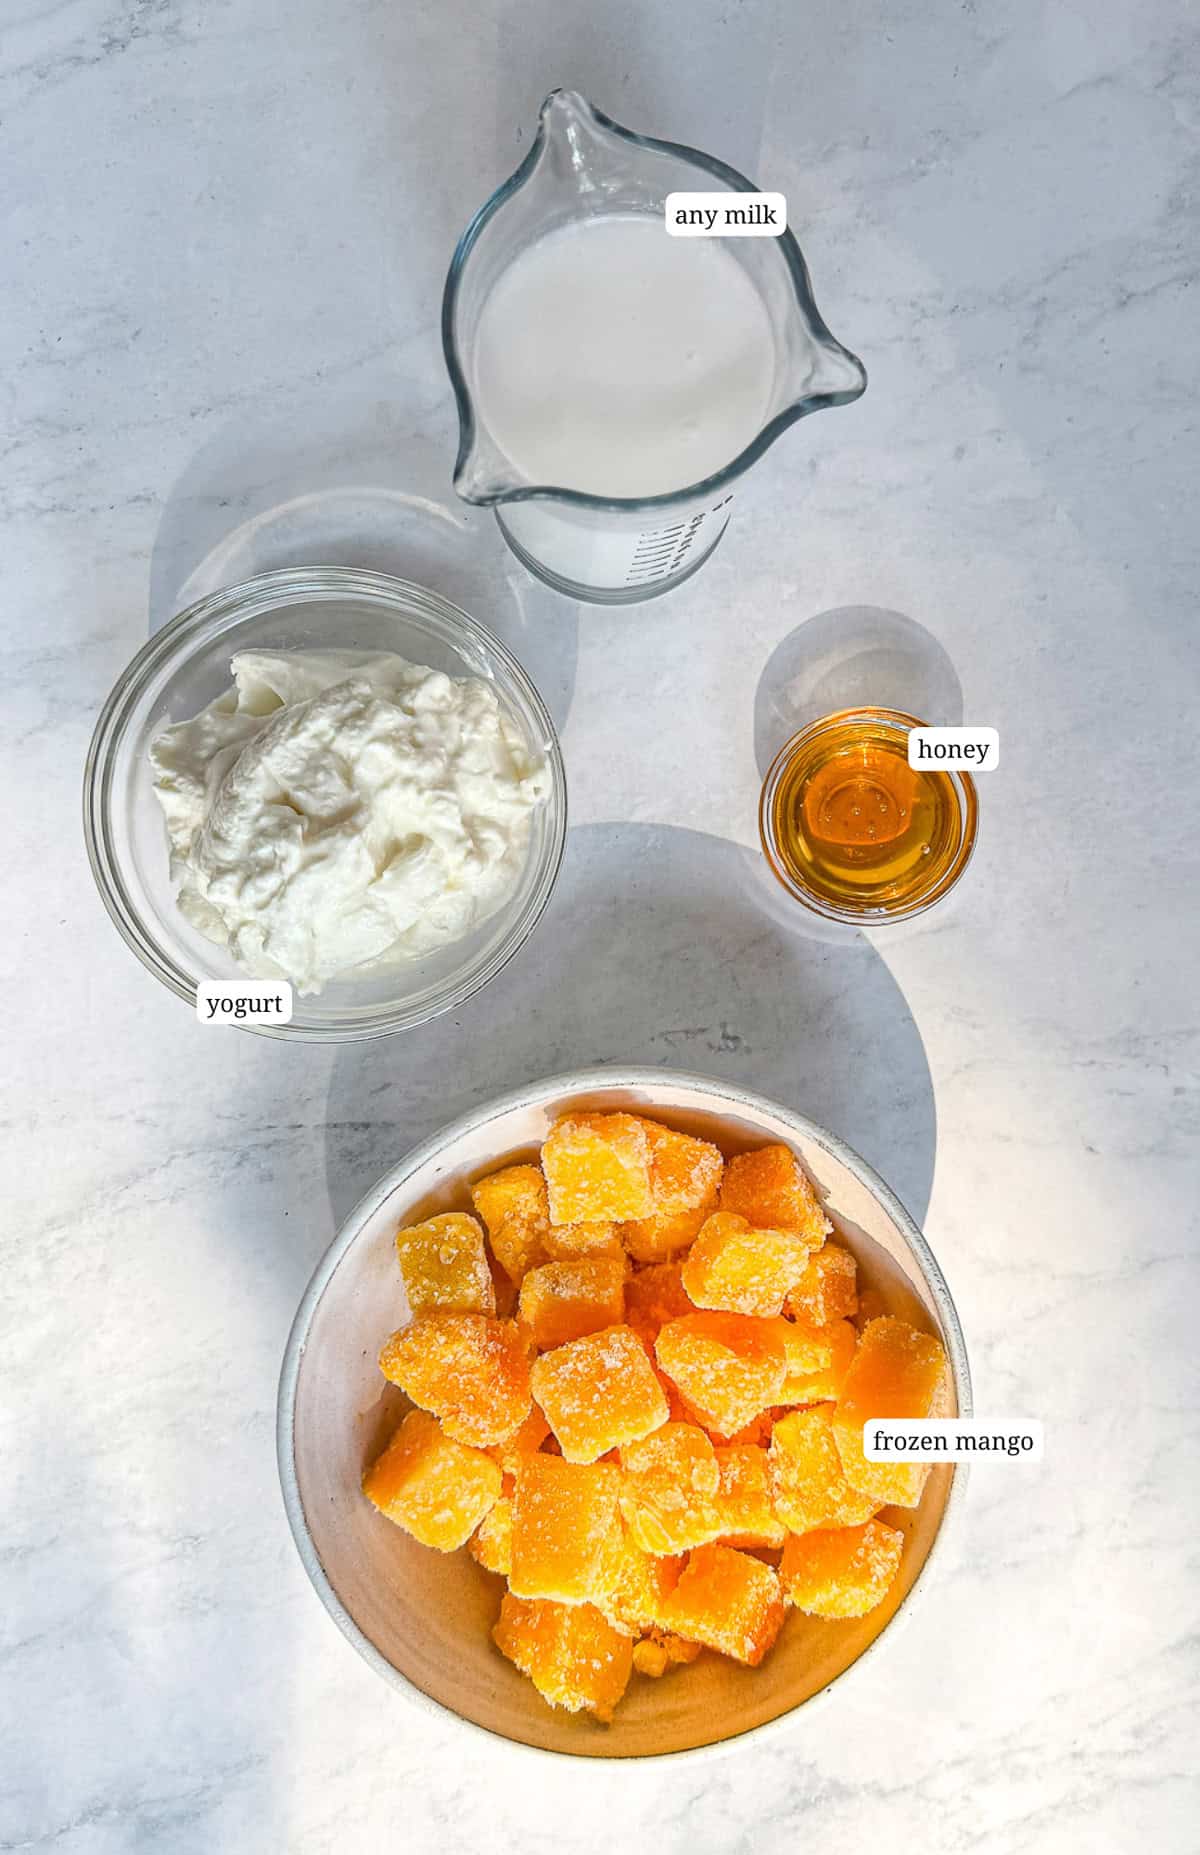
(241, 1001)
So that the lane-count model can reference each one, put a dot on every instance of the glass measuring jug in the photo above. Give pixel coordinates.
(604, 548)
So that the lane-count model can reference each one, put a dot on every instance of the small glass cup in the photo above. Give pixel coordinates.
(854, 833)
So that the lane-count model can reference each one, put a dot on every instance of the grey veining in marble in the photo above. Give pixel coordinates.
(225, 228)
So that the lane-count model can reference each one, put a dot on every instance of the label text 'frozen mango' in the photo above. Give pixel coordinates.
(976, 750)
(244, 1001)
(726, 215)
(950, 1439)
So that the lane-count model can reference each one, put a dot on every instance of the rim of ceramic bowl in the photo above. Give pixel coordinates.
(536, 1094)
(202, 623)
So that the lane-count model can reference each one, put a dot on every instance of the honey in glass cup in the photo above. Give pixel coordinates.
(854, 832)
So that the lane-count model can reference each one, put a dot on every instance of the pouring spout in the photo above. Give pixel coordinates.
(819, 371)
(572, 136)
(482, 474)
(836, 377)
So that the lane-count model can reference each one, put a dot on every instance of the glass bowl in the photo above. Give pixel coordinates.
(184, 666)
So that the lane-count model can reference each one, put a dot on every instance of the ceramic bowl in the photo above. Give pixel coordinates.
(422, 1619)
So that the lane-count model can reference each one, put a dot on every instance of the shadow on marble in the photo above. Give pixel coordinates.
(849, 657)
(707, 85)
(351, 485)
(655, 950)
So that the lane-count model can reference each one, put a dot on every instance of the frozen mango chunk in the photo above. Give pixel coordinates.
(563, 1518)
(666, 1234)
(757, 1431)
(444, 1265)
(638, 1583)
(435, 1488)
(727, 1367)
(740, 1269)
(658, 1652)
(573, 1242)
(650, 1657)
(468, 1369)
(504, 1289)
(654, 1296)
(871, 1305)
(808, 1349)
(525, 1440)
(667, 1495)
(772, 1191)
(727, 1601)
(744, 1509)
(841, 1573)
(828, 1289)
(516, 1214)
(572, 1654)
(678, 1409)
(491, 1542)
(512, 1190)
(597, 1169)
(823, 1384)
(897, 1371)
(599, 1392)
(563, 1300)
(685, 1173)
(516, 1210)
(808, 1487)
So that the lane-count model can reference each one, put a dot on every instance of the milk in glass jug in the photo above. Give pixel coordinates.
(614, 382)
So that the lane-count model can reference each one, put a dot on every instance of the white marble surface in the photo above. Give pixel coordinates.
(225, 231)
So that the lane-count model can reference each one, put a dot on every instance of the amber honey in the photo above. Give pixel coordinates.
(852, 830)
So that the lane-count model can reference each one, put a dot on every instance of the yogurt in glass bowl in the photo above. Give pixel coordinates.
(298, 635)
